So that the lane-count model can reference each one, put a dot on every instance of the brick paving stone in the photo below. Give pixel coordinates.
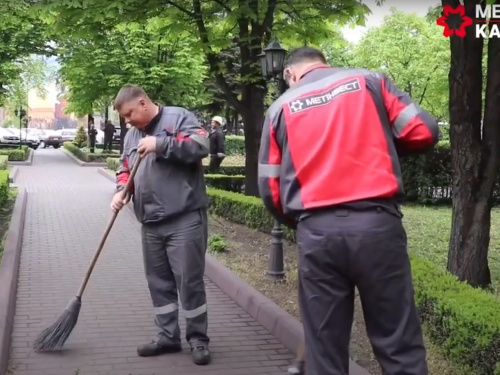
(68, 207)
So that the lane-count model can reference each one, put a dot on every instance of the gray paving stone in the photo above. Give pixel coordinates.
(68, 207)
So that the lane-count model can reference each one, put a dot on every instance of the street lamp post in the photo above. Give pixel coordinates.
(272, 61)
(22, 114)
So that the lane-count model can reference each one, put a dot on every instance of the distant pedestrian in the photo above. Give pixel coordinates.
(328, 165)
(109, 133)
(170, 201)
(217, 145)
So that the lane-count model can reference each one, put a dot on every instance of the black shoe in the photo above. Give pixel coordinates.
(157, 347)
(201, 355)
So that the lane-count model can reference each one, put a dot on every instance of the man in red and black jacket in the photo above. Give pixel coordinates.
(329, 166)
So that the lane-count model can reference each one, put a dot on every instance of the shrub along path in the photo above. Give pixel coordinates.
(66, 214)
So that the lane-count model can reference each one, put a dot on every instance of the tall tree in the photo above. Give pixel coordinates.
(475, 147)
(22, 33)
(413, 53)
(216, 23)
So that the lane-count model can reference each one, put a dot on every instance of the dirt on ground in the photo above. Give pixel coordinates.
(246, 255)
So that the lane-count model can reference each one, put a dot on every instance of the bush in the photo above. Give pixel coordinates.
(4, 187)
(86, 157)
(113, 164)
(80, 137)
(227, 183)
(3, 162)
(15, 154)
(216, 244)
(463, 321)
(235, 145)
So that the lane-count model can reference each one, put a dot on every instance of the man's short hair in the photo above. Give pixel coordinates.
(304, 55)
(126, 94)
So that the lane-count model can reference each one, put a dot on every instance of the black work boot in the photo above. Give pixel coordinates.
(201, 355)
(157, 346)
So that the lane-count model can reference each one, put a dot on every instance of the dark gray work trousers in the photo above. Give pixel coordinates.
(174, 262)
(339, 250)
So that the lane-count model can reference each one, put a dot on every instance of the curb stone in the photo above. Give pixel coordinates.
(9, 272)
(13, 174)
(82, 163)
(283, 326)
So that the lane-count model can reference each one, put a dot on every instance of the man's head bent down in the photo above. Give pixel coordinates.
(135, 106)
(299, 61)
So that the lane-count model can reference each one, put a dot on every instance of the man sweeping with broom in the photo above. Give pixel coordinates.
(161, 168)
(170, 202)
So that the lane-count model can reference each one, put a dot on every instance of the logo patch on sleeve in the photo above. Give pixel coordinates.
(324, 98)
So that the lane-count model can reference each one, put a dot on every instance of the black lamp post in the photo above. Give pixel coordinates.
(272, 61)
(22, 114)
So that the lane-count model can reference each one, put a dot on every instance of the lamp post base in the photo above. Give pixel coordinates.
(275, 267)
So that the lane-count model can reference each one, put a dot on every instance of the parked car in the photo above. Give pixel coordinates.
(67, 135)
(7, 136)
(50, 138)
(29, 139)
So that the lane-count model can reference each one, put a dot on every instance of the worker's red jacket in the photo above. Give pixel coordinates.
(334, 138)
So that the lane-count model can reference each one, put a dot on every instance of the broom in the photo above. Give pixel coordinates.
(56, 335)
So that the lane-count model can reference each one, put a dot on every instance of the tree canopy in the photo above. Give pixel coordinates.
(414, 55)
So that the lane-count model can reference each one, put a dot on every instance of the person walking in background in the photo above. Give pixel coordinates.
(217, 145)
(329, 167)
(170, 201)
(109, 132)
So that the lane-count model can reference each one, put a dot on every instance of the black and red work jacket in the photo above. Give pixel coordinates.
(334, 138)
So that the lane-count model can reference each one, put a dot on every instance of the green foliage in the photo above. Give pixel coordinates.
(23, 34)
(86, 157)
(3, 162)
(113, 164)
(216, 244)
(168, 67)
(80, 137)
(414, 55)
(235, 145)
(228, 183)
(4, 187)
(15, 154)
(463, 321)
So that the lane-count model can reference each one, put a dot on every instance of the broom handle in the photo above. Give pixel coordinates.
(111, 221)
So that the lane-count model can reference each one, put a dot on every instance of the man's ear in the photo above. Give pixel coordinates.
(142, 103)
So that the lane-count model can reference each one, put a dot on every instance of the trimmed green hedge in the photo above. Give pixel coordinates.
(87, 157)
(227, 183)
(235, 145)
(4, 187)
(15, 154)
(463, 321)
(231, 170)
(3, 162)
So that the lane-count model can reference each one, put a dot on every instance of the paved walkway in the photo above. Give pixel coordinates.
(66, 214)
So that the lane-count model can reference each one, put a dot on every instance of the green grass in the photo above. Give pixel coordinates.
(428, 230)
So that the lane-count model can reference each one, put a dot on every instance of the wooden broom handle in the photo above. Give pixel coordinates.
(127, 190)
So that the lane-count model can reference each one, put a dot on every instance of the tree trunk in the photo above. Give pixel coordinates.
(474, 155)
(253, 118)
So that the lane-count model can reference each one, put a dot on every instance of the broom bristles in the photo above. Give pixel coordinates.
(56, 335)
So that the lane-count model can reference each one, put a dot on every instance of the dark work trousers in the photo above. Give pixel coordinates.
(214, 165)
(108, 144)
(174, 262)
(339, 250)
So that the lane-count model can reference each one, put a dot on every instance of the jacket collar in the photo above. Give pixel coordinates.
(314, 67)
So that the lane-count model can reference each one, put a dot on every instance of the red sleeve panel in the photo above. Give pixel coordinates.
(414, 129)
(123, 174)
(269, 168)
